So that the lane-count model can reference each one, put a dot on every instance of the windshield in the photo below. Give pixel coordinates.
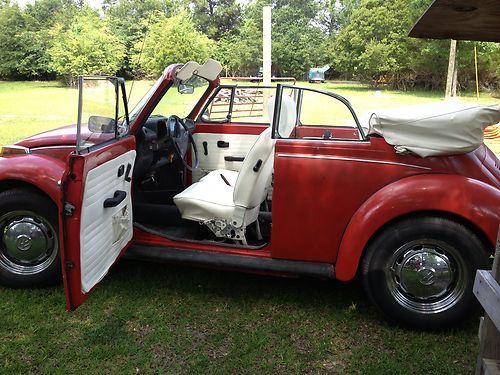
(138, 108)
(173, 101)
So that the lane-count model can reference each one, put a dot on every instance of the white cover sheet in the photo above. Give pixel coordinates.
(435, 129)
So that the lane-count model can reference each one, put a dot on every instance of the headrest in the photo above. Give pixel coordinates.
(288, 115)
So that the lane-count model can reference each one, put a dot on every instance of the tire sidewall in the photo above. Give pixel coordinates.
(28, 200)
(376, 265)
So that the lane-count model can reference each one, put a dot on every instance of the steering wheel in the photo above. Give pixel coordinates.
(181, 138)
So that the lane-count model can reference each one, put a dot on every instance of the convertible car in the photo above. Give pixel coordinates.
(272, 180)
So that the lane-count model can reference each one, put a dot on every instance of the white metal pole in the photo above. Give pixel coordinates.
(266, 45)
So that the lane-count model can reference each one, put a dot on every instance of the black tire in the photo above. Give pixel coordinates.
(420, 271)
(29, 245)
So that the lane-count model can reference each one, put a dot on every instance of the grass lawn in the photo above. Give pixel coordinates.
(27, 108)
(154, 318)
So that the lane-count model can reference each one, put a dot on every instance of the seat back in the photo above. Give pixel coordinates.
(255, 173)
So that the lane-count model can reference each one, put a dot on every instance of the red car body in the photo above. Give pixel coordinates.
(330, 198)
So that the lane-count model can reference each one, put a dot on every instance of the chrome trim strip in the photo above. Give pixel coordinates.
(52, 147)
(351, 159)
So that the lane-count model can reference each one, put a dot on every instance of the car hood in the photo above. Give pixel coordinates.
(64, 136)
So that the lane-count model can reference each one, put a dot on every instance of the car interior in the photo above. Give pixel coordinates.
(226, 207)
(195, 184)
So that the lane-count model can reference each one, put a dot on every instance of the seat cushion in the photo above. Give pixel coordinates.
(230, 176)
(210, 198)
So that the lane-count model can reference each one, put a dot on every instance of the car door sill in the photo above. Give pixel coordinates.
(159, 233)
(231, 261)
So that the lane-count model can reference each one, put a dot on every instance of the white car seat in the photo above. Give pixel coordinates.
(227, 201)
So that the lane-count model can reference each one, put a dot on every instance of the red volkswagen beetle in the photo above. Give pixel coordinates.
(282, 181)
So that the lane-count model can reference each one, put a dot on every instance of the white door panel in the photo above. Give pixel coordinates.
(104, 231)
(239, 144)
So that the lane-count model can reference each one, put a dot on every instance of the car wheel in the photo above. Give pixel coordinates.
(420, 271)
(29, 246)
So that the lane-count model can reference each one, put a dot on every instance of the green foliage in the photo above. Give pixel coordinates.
(241, 54)
(86, 46)
(298, 34)
(129, 20)
(11, 47)
(488, 56)
(216, 18)
(172, 40)
(25, 37)
(375, 44)
(362, 39)
(298, 43)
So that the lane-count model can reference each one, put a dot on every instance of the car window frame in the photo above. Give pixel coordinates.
(228, 120)
(277, 109)
(119, 86)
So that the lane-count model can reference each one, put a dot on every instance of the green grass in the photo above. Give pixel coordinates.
(27, 108)
(154, 318)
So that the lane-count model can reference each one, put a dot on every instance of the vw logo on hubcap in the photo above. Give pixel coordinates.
(426, 276)
(23, 242)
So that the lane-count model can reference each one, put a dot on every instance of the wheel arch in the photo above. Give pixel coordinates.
(19, 184)
(438, 214)
(463, 200)
(36, 172)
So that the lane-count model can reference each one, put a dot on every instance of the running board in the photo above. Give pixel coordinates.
(231, 261)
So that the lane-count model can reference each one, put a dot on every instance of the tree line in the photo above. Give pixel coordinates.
(360, 39)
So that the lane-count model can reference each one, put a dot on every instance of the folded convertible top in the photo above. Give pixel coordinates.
(443, 128)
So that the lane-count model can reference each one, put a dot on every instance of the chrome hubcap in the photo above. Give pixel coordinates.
(29, 243)
(426, 277)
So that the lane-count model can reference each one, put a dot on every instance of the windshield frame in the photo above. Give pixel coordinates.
(144, 109)
(145, 99)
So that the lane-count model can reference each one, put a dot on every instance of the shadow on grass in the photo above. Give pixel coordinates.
(330, 297)
(185, 278)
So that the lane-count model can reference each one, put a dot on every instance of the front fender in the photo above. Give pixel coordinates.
(470, 199)
(43, 172)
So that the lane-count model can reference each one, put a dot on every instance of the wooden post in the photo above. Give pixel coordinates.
(488, 361)
(451, 79)
(266, 45)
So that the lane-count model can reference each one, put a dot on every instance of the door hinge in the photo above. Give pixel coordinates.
(69, 264)
(68, 209)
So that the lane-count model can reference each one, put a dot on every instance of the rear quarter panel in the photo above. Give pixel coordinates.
(319, 185)
(473, 201)
(331, 197)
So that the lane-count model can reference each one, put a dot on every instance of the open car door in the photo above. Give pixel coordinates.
(98, 224)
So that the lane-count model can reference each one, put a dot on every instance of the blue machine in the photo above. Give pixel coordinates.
(318, 74)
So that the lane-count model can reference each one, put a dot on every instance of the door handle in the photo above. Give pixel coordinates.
(118, 198)
(205, 148)
(222, 144)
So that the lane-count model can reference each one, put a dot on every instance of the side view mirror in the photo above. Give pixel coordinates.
(185, 89)
(101, 124)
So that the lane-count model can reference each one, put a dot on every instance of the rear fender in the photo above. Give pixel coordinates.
(470, 199)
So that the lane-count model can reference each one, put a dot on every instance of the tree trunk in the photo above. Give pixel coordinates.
(451, 80)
